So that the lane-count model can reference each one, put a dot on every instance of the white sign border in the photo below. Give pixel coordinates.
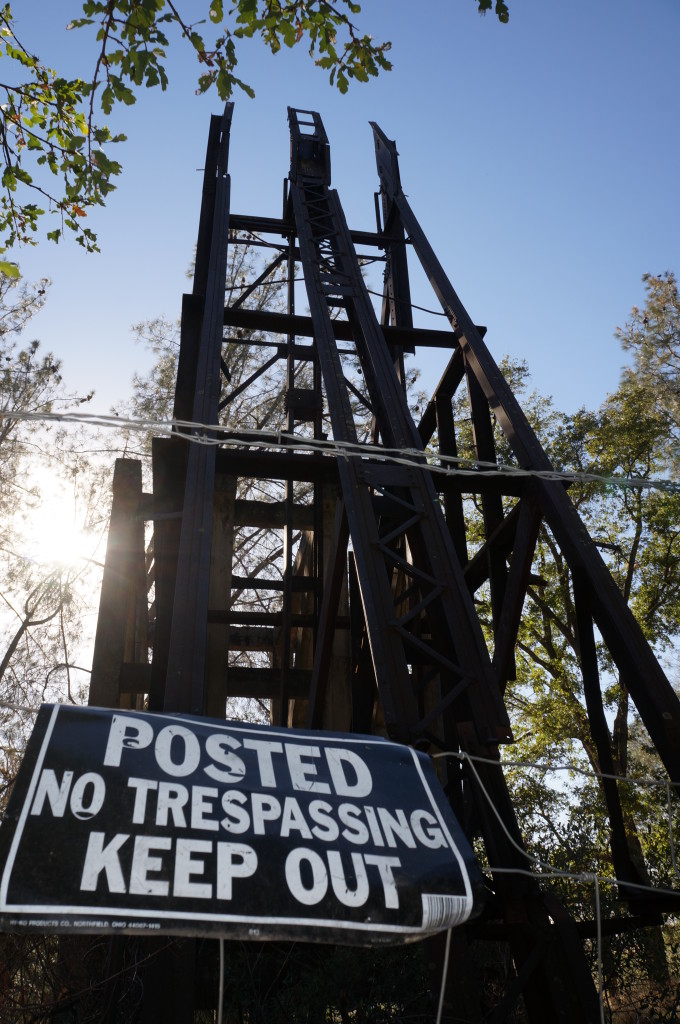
(178, 915)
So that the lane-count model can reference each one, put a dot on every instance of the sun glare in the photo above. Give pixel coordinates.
(55, 527)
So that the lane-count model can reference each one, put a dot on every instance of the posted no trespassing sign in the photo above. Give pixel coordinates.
(126, 821)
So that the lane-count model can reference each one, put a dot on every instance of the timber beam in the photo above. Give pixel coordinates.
(288, 323)
(286, 229)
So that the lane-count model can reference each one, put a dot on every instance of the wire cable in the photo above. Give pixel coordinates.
(547, 870)
(411, 305)
(598, 926)
(445, 972)
(218, 435)
(647, 780)
(220, 998)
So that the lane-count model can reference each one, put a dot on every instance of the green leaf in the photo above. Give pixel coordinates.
(9, 269)
(107, 100)
(289, 33)
(225, 84)
(247, 10)
(138, 62)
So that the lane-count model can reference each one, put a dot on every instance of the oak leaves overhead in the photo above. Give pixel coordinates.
(57, 156)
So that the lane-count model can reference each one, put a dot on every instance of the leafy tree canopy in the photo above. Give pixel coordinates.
(56, 156)
(652, 336)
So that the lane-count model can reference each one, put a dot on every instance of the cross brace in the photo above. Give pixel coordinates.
(363, 612)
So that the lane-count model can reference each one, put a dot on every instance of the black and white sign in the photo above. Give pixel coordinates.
(125, 821)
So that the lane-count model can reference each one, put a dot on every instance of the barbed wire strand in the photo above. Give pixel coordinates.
(217, 434)
(593, 774)
(554, 872)
(586, 877)
(646, 780)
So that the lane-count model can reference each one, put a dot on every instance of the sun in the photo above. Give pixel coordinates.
(55, 527)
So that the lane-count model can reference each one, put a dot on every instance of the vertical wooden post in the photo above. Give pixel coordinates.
(219, 597)
(337, 712)
(331, 698)
(124, 571)
(169, 457)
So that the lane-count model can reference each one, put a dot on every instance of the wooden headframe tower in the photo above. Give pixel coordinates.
(369, 622)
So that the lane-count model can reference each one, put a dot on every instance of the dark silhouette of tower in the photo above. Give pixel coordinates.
(375, 625)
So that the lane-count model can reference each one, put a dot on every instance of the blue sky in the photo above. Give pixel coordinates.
(541, 158)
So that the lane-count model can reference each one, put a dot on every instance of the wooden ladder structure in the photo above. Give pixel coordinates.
(375, 625)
